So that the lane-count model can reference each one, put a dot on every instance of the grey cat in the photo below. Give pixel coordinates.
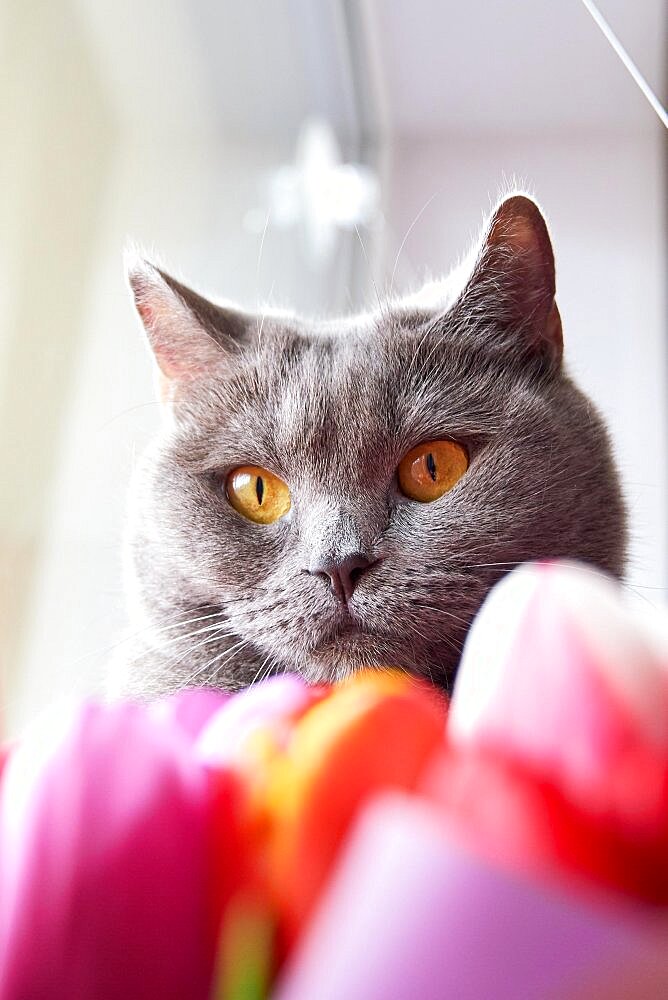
(349, 570)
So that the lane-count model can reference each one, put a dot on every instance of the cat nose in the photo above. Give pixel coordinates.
(343, 574)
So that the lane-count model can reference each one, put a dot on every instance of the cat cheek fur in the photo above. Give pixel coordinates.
(331, 408)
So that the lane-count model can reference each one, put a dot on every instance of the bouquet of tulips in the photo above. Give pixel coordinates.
(361, 841)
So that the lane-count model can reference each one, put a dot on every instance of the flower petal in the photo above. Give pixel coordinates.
(104, 862)
(410, 913)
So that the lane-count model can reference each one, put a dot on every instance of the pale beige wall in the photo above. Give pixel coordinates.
(56, 135)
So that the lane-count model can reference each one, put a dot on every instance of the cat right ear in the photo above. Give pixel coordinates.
(188, 335)
(511, 292)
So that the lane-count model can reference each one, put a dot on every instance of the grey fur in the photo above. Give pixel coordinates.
(332, 408)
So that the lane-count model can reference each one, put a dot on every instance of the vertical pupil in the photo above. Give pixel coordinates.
(259, 489)
(431, 466)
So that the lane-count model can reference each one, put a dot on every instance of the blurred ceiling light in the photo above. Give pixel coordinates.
(318, 193)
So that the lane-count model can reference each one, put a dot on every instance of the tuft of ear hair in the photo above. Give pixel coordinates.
(512, 286)
(188, 334)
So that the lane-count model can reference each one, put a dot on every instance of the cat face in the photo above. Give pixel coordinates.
(354, 568)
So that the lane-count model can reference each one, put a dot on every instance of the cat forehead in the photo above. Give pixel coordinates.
(327, 375)
(333, 364)
(376, 343)
(378, 370)
(343, 393)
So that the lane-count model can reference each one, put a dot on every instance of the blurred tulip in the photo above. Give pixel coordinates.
(376, 731)
(559, 671)
(517, 818)
(559, 728)
(247, 736)
(244, 737)
(189, 710)
(105, 861)
(410, 912)
(4, 754)
(269, 708)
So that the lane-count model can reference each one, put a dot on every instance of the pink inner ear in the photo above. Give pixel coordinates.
(176, 363)
(145, 312)
(522, 235)
(178, 358)
(182, 346)
(180, 363)
(516, 232)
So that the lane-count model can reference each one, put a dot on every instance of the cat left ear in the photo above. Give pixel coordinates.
(513, 283)
(188, 335)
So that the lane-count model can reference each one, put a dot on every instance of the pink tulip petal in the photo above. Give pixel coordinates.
(273, 704)
(558, 671)
(103, 862)
(409, 914)
(191, 710)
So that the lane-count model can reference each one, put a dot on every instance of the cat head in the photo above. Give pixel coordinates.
(331, 495)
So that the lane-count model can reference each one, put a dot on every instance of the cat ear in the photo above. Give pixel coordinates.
(187, 334)
(512, 285)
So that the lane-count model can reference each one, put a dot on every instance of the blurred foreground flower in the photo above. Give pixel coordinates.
(105, 861)
(559, 731)
(411, 912)
(342, 841)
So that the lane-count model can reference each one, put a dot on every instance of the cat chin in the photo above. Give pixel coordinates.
(346, 653)
(353, 650)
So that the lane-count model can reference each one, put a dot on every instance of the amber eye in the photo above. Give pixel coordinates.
(257, 494)
(431, 469)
